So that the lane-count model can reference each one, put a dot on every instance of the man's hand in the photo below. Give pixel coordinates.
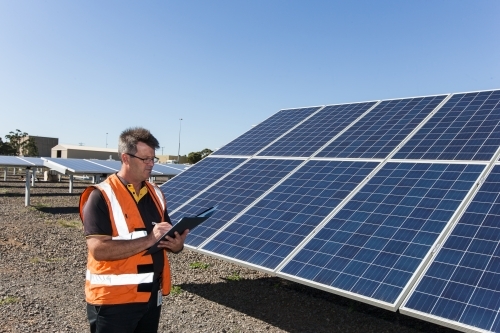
(174, 244)
(159, 230)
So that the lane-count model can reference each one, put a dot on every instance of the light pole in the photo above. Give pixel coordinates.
(179, 150)
(106, 139)
(162, 151)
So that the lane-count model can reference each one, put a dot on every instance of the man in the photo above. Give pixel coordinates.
(121, 218)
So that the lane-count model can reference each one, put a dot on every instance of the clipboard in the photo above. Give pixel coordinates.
(187, 222)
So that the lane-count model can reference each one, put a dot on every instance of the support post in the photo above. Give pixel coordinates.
(71, 183)
(27, 188)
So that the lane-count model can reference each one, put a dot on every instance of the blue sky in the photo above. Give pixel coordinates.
(77, 70)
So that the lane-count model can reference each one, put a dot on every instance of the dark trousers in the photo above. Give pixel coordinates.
(125, 318)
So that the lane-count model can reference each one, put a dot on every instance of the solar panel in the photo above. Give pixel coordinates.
(113, 165)
(24, 162)
(233, 193)
(170, 169)
(75, 166)
(355, 198)
(182, 187)
(313, 133)
(461, 287)
(35, 161)
(21, 161)
(271, 229)
(375, 243)
(379, 132)
(264, 133)
(467, 127)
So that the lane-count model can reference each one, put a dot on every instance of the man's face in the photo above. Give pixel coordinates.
(139, 170)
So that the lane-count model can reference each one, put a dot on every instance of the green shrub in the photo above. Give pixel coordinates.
(70, 224)
(8, 300)
(235, 276)
(198, 264)
(176, 290)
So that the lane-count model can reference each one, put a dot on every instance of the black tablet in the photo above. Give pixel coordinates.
(185, 223)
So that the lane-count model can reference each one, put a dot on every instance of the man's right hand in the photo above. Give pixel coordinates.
(159, 230)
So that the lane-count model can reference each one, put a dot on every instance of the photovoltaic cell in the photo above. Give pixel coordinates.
(467, 127)
(375, 243)
(181, 188)
(270, 230)
(463, 282)
(233, 194)
(309, 136)
(380, 131)
(264, 133)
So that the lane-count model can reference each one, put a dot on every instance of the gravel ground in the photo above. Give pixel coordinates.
(42, 265)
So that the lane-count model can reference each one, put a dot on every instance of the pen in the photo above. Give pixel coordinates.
(153, 223)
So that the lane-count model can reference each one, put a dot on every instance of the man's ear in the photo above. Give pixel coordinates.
(125, 158)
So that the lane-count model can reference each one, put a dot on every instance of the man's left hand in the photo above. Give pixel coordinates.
(174, 244)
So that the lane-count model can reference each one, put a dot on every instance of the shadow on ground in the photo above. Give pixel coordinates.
(59, 210)
(39, 194)
(296, 308)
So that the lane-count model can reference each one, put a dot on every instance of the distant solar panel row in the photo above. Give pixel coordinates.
(91, 166)
(355, 198)
(20, 161)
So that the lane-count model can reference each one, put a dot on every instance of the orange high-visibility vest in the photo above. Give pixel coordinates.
(117, 281)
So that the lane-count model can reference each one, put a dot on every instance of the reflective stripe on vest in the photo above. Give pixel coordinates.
(120, 223)
(118, 280)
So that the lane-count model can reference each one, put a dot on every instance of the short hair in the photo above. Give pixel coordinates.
(127, 142)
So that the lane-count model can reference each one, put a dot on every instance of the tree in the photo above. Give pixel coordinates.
(15, 139)
(194, 157)
(6, 148)
(205, 152)
(18, 145)
(29, 148)
(197, 156)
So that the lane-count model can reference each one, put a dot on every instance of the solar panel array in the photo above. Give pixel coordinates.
(356, 199)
